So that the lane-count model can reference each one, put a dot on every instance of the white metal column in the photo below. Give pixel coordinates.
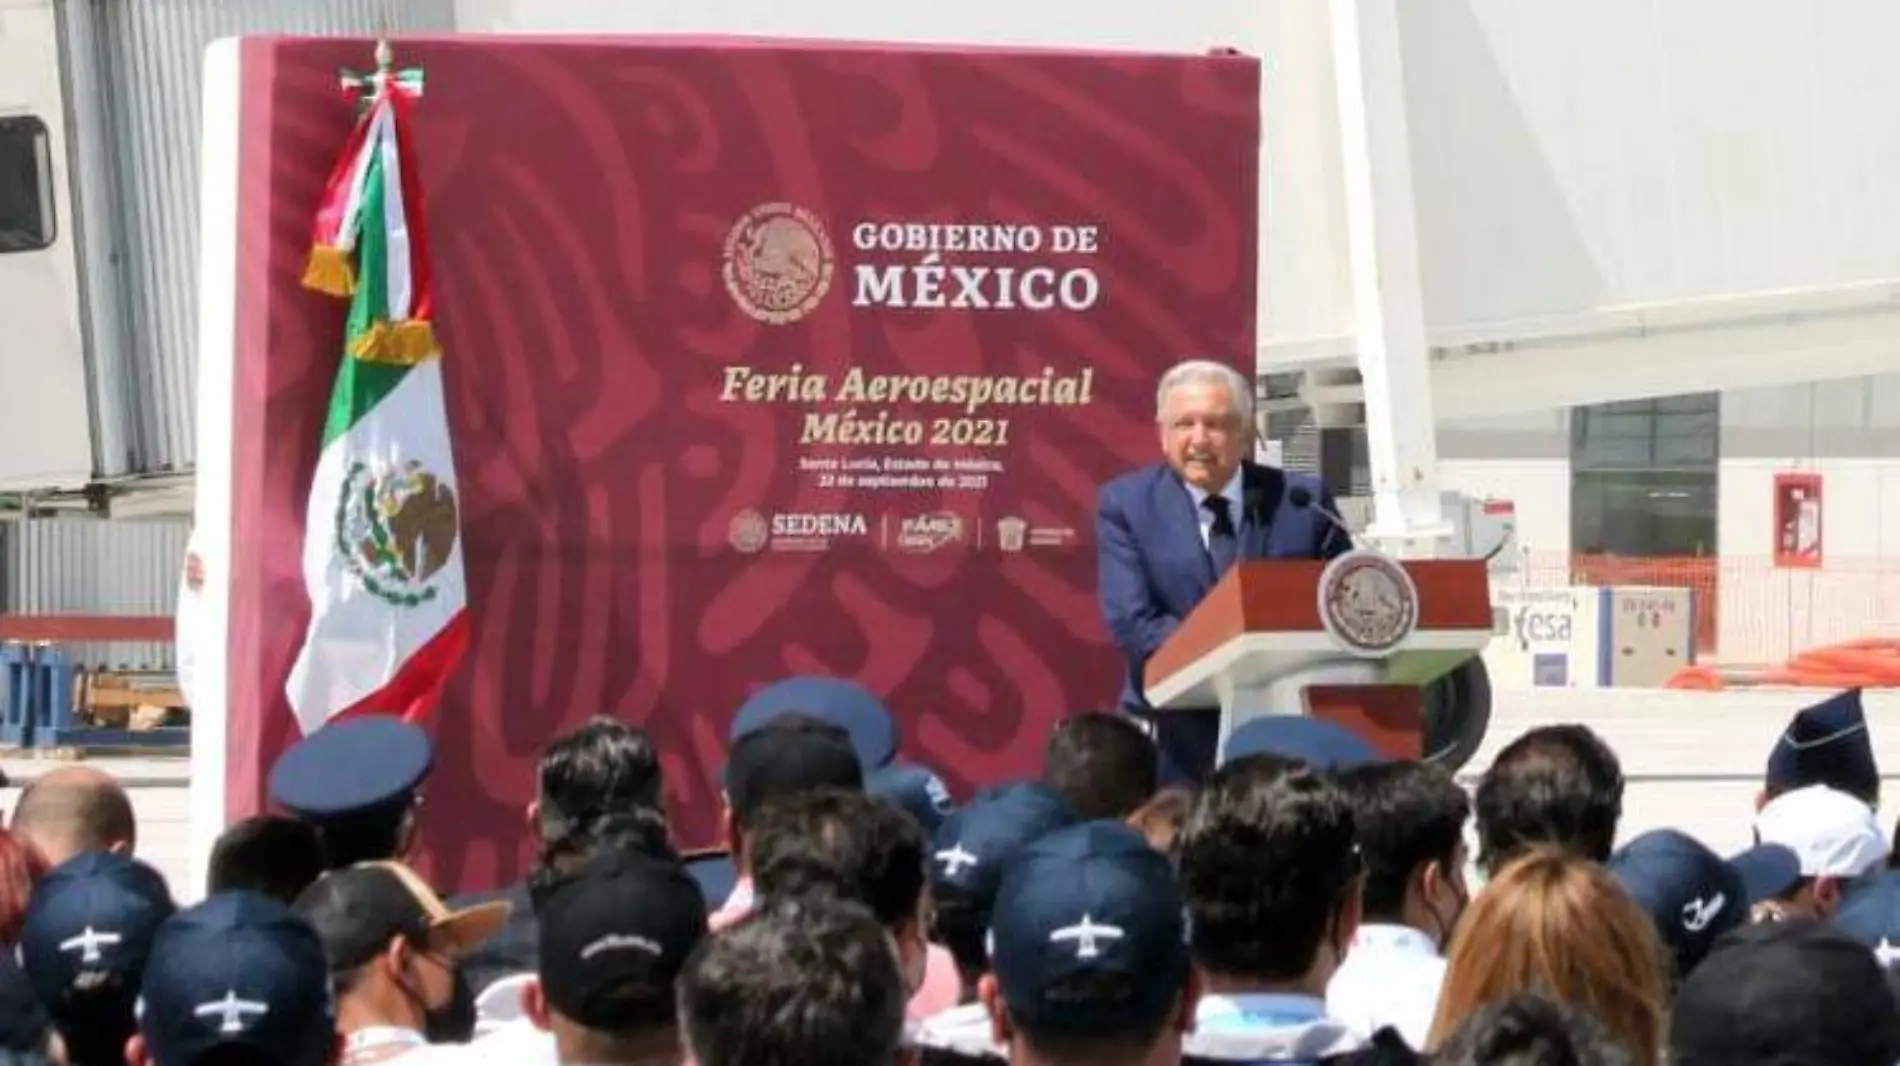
(1388, 303)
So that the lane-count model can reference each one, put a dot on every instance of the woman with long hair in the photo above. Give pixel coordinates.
(1560, 926)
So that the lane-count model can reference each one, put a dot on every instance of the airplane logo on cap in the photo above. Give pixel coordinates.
(232, 1010)
(954, 859)
(1086, 935)
(88, 944)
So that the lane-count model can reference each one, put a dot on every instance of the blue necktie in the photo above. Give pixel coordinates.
(1222, 544)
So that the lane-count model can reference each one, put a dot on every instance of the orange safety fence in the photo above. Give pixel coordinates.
(1759, 621)
(1870, 663)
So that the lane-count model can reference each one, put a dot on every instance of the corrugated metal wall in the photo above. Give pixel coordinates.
(96, 566)
(135, 78)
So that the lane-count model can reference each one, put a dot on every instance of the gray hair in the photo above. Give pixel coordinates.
(1207, 372)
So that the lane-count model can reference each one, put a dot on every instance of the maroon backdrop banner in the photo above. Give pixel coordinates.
(763, 359)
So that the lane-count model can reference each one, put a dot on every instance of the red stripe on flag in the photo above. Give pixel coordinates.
(417, 687)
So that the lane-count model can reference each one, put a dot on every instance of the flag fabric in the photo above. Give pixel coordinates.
(382, 557)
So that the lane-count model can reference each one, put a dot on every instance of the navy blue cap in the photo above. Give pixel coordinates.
(715, 873)
(239, 968)
(1692, 894)
(914, 788)
(24, 1025)
(87, 932)
(1089, 899)
(1870, 913)
(973, 845)
(845, 704)
(1322, 744)
(357, 764)
(1826, 744)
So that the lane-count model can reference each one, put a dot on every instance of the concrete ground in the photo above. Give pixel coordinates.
(1693, 760)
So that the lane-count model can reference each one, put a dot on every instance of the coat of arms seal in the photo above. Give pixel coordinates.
(1367, 602)
(778, 263)
(395, 529)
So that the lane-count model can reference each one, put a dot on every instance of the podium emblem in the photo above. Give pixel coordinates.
(1367, 602)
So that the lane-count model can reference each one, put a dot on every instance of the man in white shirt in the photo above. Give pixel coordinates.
(1272, 879)
(1409, 821)
(392, 947)
(614, 939)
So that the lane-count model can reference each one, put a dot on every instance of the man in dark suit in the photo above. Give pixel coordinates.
(1166, 532)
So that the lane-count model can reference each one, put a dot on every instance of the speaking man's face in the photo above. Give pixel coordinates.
(1202, 435)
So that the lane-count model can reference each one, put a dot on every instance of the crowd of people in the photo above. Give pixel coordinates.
(1308, 902)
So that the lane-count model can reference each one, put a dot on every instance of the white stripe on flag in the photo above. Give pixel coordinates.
(359, 182)
(396, 221)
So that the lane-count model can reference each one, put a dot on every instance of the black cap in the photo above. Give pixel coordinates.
(617, 931)
(1783, 992)
(789, 756)
(358, 910)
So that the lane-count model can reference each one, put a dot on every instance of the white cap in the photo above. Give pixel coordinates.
(1833, 833)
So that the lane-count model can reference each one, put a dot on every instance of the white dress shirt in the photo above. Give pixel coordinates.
(1390, 977)
(1206, 517)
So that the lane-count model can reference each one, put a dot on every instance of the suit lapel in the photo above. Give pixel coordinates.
(1180, 525)
(1261, 488)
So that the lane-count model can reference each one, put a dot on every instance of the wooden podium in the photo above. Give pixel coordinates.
(1353, 640)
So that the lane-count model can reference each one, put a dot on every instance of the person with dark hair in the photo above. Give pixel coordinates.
(807, 981)
(270, 854)
(392, 947)
(604, 766)
(506, 1030)
(1530, 1030)
(788, 755)
(967, 862)
(602, 769)
(1091, 962)
(1409, 822)
(1795, 991)
(237, 980)
(859, 848)
(1272, 876)
(1103, 764)
(615, 935)
(84, 945)
(74, 809)
(969, 855)
(1559, 785)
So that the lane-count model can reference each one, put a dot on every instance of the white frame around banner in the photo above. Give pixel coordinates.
(219, 210)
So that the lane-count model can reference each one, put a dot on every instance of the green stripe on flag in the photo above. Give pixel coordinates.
(361, 385)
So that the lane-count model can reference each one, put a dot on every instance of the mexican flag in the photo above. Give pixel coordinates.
(382, 556)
